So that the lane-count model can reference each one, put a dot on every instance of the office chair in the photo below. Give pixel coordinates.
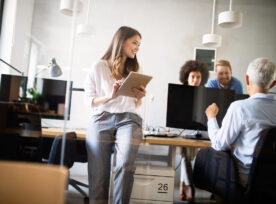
(20, 132)
(216, 172)
(26, 183)
(75, 151)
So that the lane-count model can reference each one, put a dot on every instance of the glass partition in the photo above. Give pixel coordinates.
(49, 54)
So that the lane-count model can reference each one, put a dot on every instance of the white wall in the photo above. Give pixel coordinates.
(170, 29)
(17, 22)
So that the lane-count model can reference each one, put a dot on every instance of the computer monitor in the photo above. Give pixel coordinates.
(186, 105)
(13, 87)
(53, 93)
(241, 96)
(50, 98)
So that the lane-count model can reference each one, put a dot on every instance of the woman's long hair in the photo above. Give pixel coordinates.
(114, 52)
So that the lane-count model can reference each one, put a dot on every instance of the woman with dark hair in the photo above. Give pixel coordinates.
(192, 73)
(114, 120)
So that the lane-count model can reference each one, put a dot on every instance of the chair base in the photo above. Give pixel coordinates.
(76, 185)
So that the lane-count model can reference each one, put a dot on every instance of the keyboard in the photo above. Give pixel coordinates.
(159, 134)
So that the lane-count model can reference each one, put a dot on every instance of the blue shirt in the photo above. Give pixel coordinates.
(235, 84)
(242, 124)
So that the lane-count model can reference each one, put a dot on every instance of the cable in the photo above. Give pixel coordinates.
(178, 165)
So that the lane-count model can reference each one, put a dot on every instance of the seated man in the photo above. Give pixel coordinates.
(225, 80)
(245, 119)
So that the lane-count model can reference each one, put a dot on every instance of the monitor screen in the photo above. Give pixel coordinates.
(186, 105)
(47, 94)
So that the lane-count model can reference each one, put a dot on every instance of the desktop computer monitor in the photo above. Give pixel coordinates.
(50, 99)
(12, 87)
(53, 93)
(186, 105)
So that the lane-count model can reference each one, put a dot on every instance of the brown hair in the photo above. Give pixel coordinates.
(223, 63)
(114, 52)
(193, 66)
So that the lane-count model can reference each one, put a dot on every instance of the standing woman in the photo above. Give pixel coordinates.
(114, 119)
(192, 73)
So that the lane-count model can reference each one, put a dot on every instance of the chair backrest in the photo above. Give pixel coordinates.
(70, 149)
(27, 183)
(262, 177)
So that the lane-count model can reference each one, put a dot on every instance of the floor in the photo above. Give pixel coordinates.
(79, 172)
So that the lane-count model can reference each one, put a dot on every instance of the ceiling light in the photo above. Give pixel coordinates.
(67, 6)
(86, 29)
(230, 19)
(212, 39)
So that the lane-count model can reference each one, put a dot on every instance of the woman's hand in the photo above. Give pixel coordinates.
(139, 92)
(104, 99)
(116, 85)
(212, 111)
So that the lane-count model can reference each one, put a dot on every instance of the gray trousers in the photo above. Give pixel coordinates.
(124, 130)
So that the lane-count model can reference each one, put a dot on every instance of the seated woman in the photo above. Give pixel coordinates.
(192, 73)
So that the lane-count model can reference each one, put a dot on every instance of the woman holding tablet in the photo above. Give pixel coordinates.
(114, 121)
(192, 73)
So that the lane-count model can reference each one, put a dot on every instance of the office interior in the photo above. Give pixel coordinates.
(35, 31)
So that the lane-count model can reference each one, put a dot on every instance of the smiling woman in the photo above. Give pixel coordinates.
(122, 52)
(114, 118)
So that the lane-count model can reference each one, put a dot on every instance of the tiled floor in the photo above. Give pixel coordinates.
(78, 172)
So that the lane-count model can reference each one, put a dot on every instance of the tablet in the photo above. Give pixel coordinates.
(133, 80)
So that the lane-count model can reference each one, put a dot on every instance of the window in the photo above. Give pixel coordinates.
(207, 56)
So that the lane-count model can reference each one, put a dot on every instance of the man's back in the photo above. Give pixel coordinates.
(252, 115)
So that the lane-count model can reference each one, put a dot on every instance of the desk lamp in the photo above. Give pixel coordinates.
(55, 70)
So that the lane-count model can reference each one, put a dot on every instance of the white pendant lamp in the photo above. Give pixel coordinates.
(86, 29)
(212, 39)
(230, 19)
(66, 7)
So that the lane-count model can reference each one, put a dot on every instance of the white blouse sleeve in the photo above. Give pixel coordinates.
(90, 88)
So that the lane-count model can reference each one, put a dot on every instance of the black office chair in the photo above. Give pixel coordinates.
(75, 151)
(20, 132)
(216, 172)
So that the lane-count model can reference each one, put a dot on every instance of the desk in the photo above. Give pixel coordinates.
(175, 141)
(160, 179)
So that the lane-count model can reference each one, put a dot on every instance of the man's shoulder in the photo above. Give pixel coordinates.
(212, 83)
(236, 81)
(239, 105)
